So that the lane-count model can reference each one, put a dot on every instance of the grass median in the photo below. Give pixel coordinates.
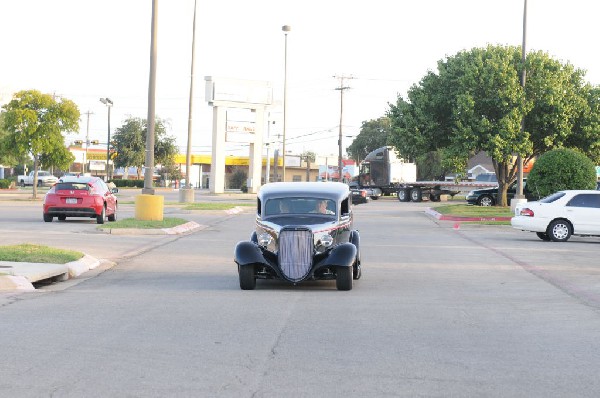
(29, 253)
(488, 212)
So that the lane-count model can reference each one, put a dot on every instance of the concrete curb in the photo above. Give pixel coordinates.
(180, 229)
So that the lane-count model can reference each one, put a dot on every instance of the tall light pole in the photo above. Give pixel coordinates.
(341, 88)
(519, 194)
(149, 163)
(109, 104)
(187, 193)
(285, 29)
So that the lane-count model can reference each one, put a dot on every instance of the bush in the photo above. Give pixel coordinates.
(128, 183)
(561, 169)
(4, 184)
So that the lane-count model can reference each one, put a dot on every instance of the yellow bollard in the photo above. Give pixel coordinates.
(149, 207)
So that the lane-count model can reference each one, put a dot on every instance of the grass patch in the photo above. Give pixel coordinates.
(29, 253)
(167, 222)
(216, 205)
(474, 211)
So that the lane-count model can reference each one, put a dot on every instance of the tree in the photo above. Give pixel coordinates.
(130, 144)
(309, 157)
(476, 103)
(373, 134)
(35, 123)
(561, 169)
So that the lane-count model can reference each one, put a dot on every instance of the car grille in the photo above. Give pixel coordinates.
(295, 253)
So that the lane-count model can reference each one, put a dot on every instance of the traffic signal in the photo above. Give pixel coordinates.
(78, 142)
(95, 142)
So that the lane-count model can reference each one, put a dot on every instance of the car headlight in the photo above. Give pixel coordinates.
(326, 240)
(264, 239)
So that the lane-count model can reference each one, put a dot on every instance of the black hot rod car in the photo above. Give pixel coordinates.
(303, 232)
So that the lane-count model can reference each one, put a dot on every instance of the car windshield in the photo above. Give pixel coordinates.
(280, 206)
(72, 186)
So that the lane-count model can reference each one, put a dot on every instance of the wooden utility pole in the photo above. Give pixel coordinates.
(341, 88)
(87, 141)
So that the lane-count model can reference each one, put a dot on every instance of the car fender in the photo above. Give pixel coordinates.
(247, 252)
(342, 255)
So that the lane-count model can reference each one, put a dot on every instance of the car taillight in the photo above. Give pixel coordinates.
(363, 194)
(526, 212)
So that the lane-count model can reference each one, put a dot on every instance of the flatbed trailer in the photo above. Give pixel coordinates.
(433, 190)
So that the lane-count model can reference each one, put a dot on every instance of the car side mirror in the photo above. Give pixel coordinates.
(115, 190)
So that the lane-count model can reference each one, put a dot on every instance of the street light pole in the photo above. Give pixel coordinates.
(109, 104)
(519, 194)
(285, 29)
(341, 88)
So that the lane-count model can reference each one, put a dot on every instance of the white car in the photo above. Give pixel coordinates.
(560, 215)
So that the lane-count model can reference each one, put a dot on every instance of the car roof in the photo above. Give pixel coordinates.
(329, 190)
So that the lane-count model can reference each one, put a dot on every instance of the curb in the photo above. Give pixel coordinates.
(23, 274)
(180, 229)
(443, 217)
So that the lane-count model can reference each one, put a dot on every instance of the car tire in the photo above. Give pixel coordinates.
(485, 200)
(62, 217)
(356, 270)
(374, 197)
(247, 278)
(113, 217)
(39, 184)
(22, 183)
(100, 218)
(416, 194)
(543, 236)
(48, 218)
(559, 230)
(434, 197)
(404, 194)
(343, 279)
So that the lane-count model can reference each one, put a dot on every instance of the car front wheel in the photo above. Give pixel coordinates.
(100, 218)
(113, 217)
(247, 279)
(485, 200)
(343, 280)
(559, 230)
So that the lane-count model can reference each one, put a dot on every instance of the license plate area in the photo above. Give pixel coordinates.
(71, 201)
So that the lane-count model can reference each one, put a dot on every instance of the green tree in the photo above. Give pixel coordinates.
(130, 144)
(373, 134)
(35, 123)
(561, 169)
(475, 102)
(309, 157)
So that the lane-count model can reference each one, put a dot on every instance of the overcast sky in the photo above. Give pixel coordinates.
(87, 49)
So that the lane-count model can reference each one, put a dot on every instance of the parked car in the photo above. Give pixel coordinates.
(359, 196)
(560, 215)
(489, 196)
(304, 231)
(76, 196)
(44, 178)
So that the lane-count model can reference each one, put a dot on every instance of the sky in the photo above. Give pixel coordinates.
(84, 50)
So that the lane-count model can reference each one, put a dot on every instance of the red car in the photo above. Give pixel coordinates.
(78, 196)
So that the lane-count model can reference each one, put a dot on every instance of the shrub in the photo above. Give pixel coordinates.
(238, 179)
(561, 169)
(4, 184)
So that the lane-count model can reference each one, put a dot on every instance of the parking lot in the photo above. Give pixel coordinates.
(443, 309)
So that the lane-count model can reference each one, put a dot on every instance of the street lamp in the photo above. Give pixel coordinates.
(108, 103)
(285, 29)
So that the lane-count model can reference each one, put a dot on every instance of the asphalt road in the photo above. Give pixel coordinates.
(442, 310)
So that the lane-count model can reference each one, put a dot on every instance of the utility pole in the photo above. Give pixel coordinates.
(87, 140)
(341, 88)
